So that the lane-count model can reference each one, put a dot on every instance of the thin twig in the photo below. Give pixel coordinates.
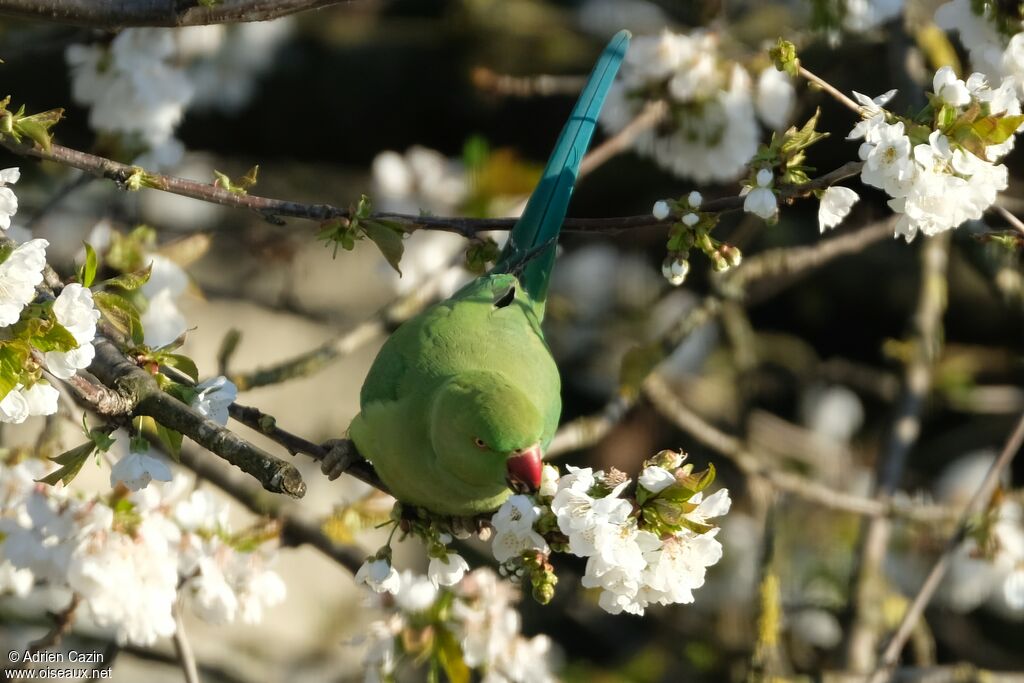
(1014, 222)
(868, 586)
(978, 503)
(113, 14)
(651, 115)
(182, 647)
(139, 390)
(831, 90)
(785, 265)
(950, 673)
(62, 623)
(266, 425)
(275, 209)
(669, 405)
(542, 85)
(310, 362)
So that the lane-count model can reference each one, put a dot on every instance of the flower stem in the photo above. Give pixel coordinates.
(830, 89)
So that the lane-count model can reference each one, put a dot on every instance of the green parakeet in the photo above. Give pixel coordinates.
(463, 398)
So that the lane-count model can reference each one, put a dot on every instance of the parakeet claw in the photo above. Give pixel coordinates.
(341, 454)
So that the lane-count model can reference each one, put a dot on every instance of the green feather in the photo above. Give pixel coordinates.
(542, 219)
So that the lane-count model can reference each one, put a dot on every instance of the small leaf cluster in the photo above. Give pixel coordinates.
(664, 513)
(345, 232)
(240, 186)
(786, 154)
(18, 125)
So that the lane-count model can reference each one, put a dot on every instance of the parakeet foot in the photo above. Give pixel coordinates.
(341, 455)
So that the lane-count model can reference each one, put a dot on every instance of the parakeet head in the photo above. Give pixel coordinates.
(487, 432)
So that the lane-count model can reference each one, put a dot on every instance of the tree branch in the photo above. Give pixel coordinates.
(666, 402)
(266, 425)
(182, 647)
(978, 503)
(274, 209)
(114, 14)
(869, 590)
(139, 391)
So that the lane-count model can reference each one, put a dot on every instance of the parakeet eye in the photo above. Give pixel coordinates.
(479, 443)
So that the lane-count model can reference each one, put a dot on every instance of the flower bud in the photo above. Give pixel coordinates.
(661, 210)
(690, 220)
(694, 199)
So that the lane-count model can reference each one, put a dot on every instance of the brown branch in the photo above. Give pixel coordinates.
(275, 209)
(113, 14)
(62, 623)
(787, 265)
(653, 113)
(831, 90)
(266, 425)
(669, 405)
(952, 673)
(775, 269)
(310, 362)
(183, 648)
(542, 85)
(868, 584)
(978, 503)
(140, 391)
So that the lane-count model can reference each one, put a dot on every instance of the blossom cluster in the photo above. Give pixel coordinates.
(711, 130)
(61, 332)
(477, 616)
(995, 43)
(946, 171)
(128, 556)
(138, 87)
(652, 549)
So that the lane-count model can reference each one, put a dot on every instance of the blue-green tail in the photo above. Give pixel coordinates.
(542, 219)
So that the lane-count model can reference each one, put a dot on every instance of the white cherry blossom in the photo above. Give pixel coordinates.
(20, 272)
(137, 469)
(378, 574)
(75, 310)
(835, 205)
(448, 570)
(8, 200)
(215, 397)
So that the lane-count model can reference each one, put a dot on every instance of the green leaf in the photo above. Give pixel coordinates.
(88, 272)
(131, 281)
(45, 334)
(171, 441)
(388, 240)
(13, 355)
(363, 209)
(183, 363)
(695, 481)
(120, 313)
(449, 655)
(795, 140)
(37, 126)
(994, 130)
(71, 462)
(101, 439)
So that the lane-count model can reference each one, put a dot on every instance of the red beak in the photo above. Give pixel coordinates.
(524, 469)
